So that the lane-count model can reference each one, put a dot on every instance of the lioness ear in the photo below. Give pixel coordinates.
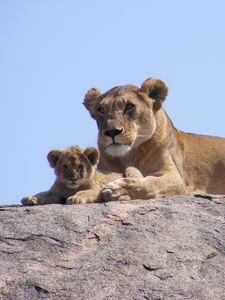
(53, 157)
(92, 155)
(156, 89)
(91, 101)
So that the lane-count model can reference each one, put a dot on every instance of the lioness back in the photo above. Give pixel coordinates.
(204, 162)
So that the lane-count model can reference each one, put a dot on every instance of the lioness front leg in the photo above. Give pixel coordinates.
(86, 196)
(144, 188)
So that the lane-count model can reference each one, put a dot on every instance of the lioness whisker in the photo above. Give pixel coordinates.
(143, 135)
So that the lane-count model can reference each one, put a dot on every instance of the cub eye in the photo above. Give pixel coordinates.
(65, 168)
(129, 107)
(80, 168)
(101, 110)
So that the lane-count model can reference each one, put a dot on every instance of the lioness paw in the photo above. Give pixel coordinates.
(114, 191)
(108, 195)
(123, 189)
(29, 200)
(133, 172)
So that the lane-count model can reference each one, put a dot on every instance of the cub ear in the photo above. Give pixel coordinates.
(53, 157)
(156, 89)
(92, 154)
(91, 101)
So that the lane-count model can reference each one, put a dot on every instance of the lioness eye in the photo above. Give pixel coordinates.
(101, 110)
(129, 107)
(65, 167)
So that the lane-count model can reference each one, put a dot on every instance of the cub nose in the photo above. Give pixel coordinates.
(113, 132)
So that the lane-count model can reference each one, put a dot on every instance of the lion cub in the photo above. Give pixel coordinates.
(77, 180)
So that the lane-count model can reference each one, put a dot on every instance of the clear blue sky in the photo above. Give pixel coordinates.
(52, 52)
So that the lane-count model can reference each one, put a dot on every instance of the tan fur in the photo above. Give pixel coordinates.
(77, 180)
(172, 161)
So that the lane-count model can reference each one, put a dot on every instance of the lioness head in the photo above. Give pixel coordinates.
(73, 166)
(125, 115)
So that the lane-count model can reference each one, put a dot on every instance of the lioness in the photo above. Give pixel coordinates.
(77, 180)
(134, 130)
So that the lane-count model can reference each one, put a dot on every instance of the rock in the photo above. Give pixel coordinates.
(167, 248)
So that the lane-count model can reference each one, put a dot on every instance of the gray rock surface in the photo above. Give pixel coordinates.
(168, 248)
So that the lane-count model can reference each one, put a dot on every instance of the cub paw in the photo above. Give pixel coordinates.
(29, 200)
(75, 200)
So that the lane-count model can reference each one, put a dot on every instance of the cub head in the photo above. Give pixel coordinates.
(126, 115)
(74, 166)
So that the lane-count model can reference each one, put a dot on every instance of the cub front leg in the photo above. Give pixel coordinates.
(30, 200)
(87, 196)
(41, 199)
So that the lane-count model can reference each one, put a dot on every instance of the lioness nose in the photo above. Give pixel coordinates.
(113, 132)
